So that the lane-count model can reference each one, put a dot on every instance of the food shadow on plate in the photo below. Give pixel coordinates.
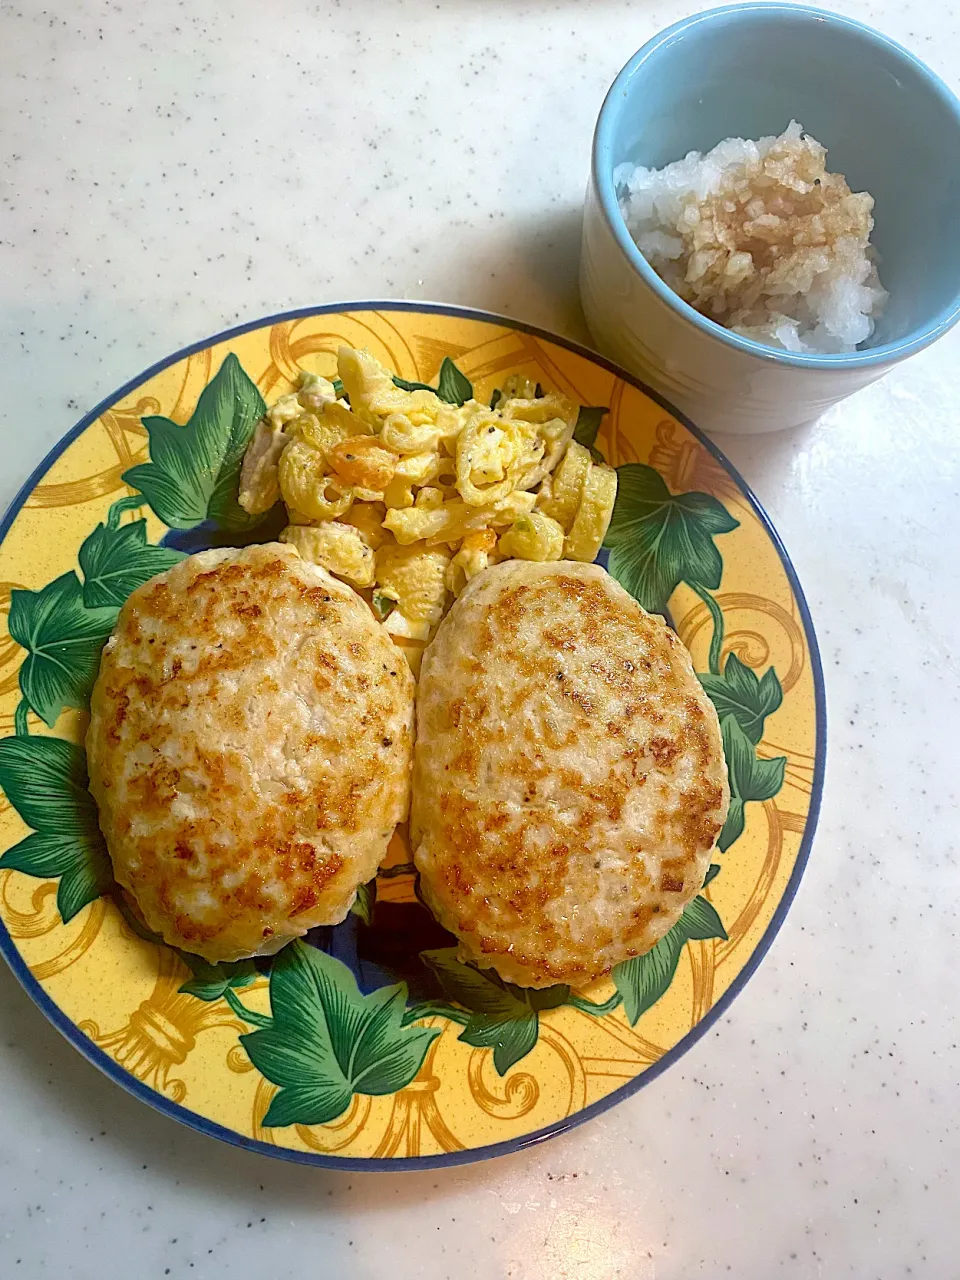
(387, 950)
(209, 535)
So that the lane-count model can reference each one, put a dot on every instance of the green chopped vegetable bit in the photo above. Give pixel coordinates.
(383, 604)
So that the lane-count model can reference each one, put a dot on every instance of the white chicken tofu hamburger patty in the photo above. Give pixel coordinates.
(249, 749)
(569, 778)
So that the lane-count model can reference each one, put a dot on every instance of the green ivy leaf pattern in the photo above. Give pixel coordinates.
(452, 386)
(658, 540)
(503, 1017)
(327, 1041)
(738, 692)
(588, 425)
(63, 639)
(45, 779)
(643, 980)
(117, 561)
(365, 901)
(712, 872)
(510, 1038)
(212, 981)
(193, 472)
(750, 778)
(406, 384)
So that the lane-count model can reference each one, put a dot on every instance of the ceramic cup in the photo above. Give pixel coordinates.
(888, 123)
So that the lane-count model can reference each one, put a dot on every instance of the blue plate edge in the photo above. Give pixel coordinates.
(348, 1164)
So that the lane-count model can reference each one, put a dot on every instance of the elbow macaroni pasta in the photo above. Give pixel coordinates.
(306, 486)
(407, 496)
(338, 547)
(533, 537)
(415, 577)
(593, 515)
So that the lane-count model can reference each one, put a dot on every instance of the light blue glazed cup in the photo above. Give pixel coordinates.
(889, 124)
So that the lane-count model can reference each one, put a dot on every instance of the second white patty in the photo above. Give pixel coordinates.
(569, 779)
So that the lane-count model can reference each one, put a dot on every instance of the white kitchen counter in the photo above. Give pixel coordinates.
(172, 169)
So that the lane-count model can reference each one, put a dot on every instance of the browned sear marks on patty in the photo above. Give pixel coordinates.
(250, 747)
(569, 775)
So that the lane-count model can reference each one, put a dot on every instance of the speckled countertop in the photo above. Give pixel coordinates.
(169, 170)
